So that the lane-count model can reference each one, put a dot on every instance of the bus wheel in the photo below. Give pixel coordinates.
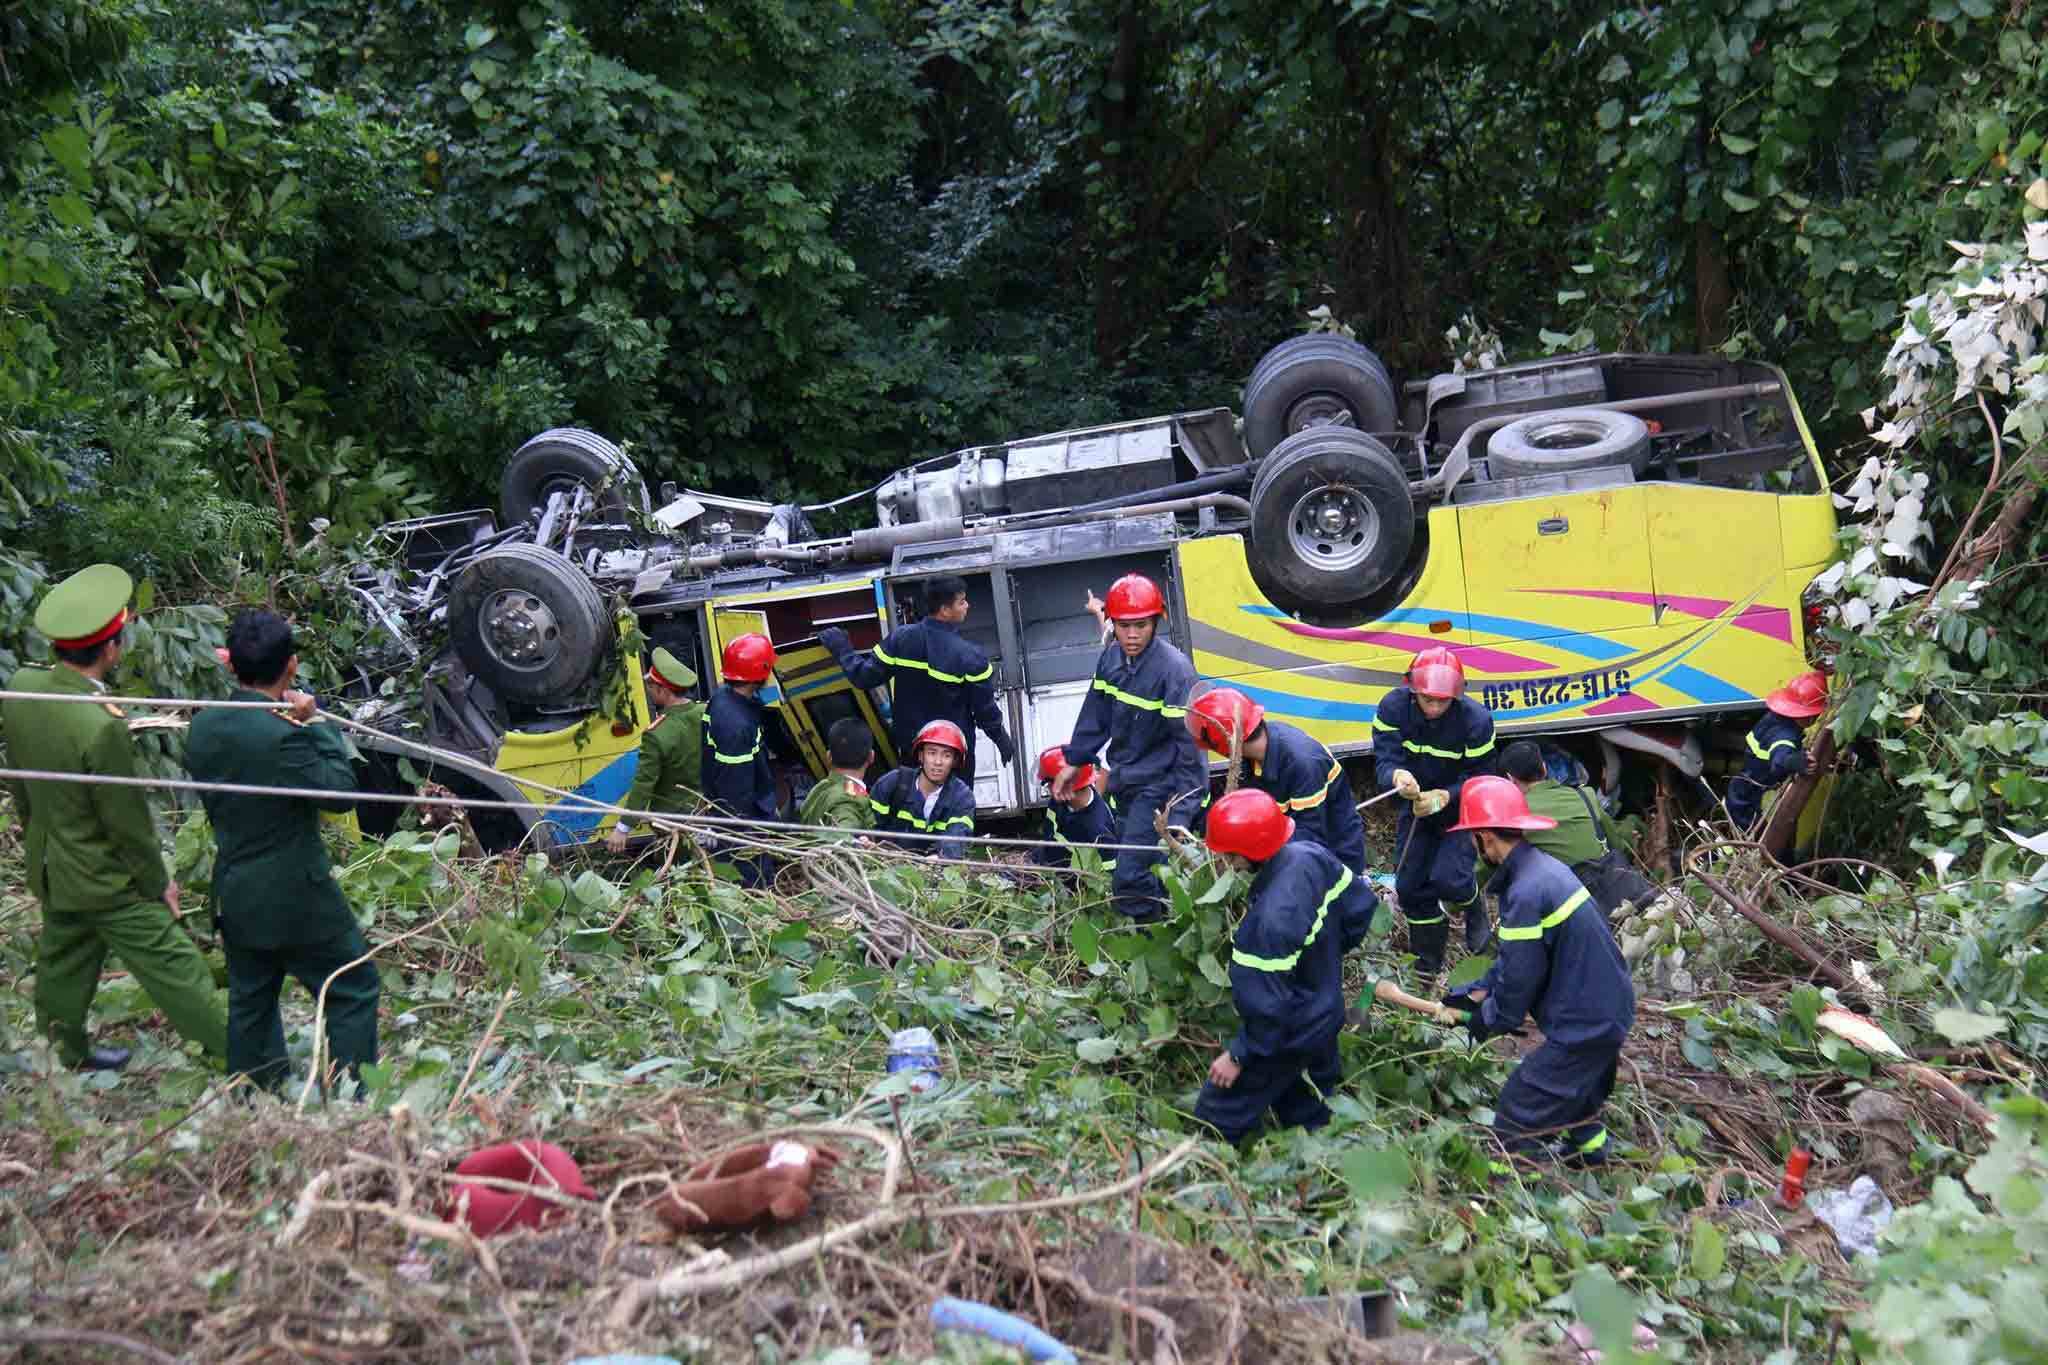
(1332, 519)
(558, 461)
(528, 623)
(1312, 381)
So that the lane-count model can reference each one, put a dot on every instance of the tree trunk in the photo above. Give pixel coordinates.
(1372, 261)
(2003, 533)
(1783, 826)
(1712, 292)
(1123, 199)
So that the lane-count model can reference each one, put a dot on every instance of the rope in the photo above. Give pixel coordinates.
(666, 821)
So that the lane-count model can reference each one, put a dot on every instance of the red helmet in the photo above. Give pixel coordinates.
(940, 732)
(1221, 715)
(1134, 597)
(750, 658)
(1436, 672)
(1249, 822)
(1052, 760)
(1496, 803)
(1804, 696)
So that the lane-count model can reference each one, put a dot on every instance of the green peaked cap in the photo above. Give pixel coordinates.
(86, 603)
(674, 669)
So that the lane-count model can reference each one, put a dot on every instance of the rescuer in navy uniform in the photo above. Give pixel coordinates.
(1427, 739)
(1558, 965)
(926, 798)
(738, 779)
(936, 674)
(1083, 817)
(1286, 764)
(1137, 708)
(1776, 746)
(1286, 970)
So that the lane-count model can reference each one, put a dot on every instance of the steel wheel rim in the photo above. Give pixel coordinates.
(520, 629)
(1333, 528)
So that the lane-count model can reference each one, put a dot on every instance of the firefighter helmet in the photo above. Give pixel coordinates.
(1436, 672)
(1803, 697)
(1222, 716)
(750, 658)
(1250, 823)
(1134, 597)
(1496, 803)
(1054, 759)
(941, 732)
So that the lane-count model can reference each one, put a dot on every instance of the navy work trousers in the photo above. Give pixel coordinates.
(1435, 875)
(1552, 1102)
(1292, 1085)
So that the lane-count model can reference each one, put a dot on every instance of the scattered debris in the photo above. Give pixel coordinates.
(1856, 1215)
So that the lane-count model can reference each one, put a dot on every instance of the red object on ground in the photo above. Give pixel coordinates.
(1792, 1190)
(540, 1164)
(761, 1181)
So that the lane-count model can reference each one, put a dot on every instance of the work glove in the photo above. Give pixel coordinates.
(1406, 785)
(1006, 748)
(834, 639)
(1430, 802)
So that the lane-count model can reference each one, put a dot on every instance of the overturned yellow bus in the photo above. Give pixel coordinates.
(1615, 545)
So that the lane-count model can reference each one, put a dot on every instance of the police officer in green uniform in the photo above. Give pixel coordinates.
(840, 801)
(93, 860)
(670, 771)
(281, 913)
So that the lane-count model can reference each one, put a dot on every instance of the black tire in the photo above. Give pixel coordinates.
(561, 459)
(528, 623)
(1316, 381)
(1332, 520)
(1567, 439)
(1318, 343)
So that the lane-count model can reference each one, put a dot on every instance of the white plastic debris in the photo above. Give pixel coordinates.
(1855, 1215)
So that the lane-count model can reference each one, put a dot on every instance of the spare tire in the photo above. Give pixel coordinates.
(1332, 520)
(1313, 381)
(528, 623)
(1568, 439)
(563, 458)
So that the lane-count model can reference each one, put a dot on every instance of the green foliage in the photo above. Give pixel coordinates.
(1963, 1279)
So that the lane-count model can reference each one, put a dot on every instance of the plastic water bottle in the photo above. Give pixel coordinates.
(916, 1051)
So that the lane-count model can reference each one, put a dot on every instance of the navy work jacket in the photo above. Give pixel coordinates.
(1067, 828)
(1287, 958)
(935, 674)
(1558, 963)
(1137, 710)
(1441, 753)
(899, 809)
(1299, 773)
(1776, 752)
(737, 777)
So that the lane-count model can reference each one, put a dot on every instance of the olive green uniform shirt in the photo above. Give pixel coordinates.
(1578, 837)
(89, 847)
(670, 771)
(271, 879)
(838, 802)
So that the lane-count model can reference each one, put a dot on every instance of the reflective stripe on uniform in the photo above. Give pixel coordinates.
(1311, 802)
(1116, 693)
(1482, 751)
(1286, 964)
(747, 757)
(915, 822)
(1765, 754)
(1549, 921)
(884, 657)
(1379, 724)
(1437, 918)
(1595, 1142)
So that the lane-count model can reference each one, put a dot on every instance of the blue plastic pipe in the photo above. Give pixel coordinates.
(961, 1315)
